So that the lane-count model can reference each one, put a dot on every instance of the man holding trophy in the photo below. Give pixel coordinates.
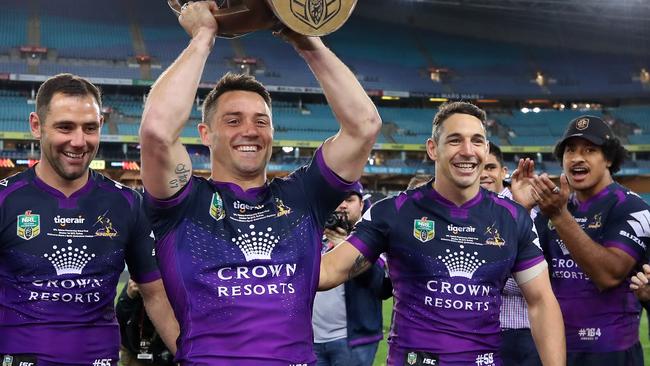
(240, 255)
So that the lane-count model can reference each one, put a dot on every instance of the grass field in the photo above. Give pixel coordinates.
(380, 359)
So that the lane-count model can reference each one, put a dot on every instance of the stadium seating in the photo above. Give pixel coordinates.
(13, 28)
(385, 57)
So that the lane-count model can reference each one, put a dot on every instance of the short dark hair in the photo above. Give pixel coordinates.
(449, 108)
(613, 151)
(233, 82)
(496, 151)
(67, 84)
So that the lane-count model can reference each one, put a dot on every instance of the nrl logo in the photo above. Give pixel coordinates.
(28, 226)
(315, 13)
(411, 358)
(424, 229)
(216, 207)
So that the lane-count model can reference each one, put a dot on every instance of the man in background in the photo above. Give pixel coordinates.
(517, 344)
(347, 319)
(593, 239)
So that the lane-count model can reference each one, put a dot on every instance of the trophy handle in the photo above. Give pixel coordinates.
(236, 17)
(177, 6)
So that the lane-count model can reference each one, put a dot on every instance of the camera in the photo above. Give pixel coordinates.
(338, 219)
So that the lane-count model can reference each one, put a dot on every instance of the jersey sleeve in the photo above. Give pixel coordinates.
(628, 228)
(165, 214)
(140, 254)
(529, 251)
(324, 189)
(370, 236)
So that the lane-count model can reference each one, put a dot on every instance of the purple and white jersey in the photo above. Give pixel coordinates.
(598, 321)
(241, 268)
(61, 258)
(448, 265)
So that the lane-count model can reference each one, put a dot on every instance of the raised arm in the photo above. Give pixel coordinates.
(546, 322)
(166, 165)
(607, 267)
(341, 264)
(347, 152)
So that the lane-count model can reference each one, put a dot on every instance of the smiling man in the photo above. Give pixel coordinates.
(66, 234)
(494, 172)
(593, 239)
(240, 255)
(451, 245)
(517, 345)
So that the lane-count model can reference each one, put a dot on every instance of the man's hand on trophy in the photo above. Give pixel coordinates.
(197, 17)
(299, 41)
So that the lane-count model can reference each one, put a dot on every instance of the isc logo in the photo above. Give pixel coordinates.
(23, 363)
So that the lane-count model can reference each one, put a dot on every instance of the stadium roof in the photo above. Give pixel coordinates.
(620, 26)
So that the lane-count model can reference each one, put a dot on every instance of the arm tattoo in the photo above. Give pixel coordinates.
(360, 265)
(182, 176)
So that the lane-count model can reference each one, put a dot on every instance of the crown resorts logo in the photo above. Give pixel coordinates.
(256, 244)
(69, 260)
(461, 264)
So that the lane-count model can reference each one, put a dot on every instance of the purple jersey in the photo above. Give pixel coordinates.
(60, 263)
(241, 267)
(598, 321)
(448, 265)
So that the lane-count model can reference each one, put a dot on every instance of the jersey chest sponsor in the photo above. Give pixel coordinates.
(31, 224)
(425, 230)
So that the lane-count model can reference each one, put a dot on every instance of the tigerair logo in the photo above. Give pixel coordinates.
(63, 221)
(460, 229)
(28, 225)
(243, 207)
(69, 259)
(461, 263)
(256, 244)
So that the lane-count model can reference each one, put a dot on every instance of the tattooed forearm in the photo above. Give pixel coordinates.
(182, 176)
(360, 265)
